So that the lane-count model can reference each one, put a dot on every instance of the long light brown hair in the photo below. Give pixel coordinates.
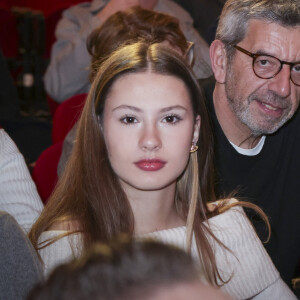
(89, 193)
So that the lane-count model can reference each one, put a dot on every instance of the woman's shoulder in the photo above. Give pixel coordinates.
(232, 226)
(229, 211)
(232, 221)
(246, 257)
(57, 247)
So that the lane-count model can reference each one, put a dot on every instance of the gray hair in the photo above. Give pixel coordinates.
(236, 15)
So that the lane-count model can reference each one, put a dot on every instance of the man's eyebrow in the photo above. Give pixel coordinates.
(134, 108)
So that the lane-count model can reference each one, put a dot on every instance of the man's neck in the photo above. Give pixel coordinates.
(235, 131)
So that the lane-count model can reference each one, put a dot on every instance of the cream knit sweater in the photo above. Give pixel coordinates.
(253, 273)
(18, 193)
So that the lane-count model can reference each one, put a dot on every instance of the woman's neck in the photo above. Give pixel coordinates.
(154, 210)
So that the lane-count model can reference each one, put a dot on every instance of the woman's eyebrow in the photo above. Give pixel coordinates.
(134, 108)
(163, 110)
(166, 109)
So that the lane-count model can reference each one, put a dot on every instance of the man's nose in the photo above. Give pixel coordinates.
(281, 83)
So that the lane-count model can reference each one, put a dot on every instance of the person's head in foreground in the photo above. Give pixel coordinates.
(256, 62)
(128, 270)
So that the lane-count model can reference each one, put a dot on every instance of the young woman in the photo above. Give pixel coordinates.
(127, 27)
(136, 169)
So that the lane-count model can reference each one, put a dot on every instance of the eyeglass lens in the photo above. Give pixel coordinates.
(268, 67)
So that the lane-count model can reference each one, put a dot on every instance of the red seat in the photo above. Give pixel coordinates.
(65, 117)
(44, 172)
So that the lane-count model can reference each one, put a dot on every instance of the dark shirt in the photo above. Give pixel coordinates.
(269, 179)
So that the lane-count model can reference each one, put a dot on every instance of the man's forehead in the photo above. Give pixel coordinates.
(273, 38)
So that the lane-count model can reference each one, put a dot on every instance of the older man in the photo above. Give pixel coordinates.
(67, 73)
(256, 63)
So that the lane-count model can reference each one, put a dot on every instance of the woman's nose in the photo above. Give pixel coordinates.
(150, 138)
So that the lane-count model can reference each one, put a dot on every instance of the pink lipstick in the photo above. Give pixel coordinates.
(150, 164)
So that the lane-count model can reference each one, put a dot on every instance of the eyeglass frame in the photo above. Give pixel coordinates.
(255, 55)
(189, 54)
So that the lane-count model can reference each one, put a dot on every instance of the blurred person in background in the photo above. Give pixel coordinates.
(67, 73)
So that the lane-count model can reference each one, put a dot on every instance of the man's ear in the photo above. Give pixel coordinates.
(218, 60)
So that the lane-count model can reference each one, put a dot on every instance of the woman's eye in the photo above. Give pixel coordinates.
(129, 120)
(171, 119)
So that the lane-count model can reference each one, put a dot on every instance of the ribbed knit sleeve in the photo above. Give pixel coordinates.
(59, 252)
(18, 193)
(250, 270)
(249, 266)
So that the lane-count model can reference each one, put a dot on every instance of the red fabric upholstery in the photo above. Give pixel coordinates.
(44, 172)
(6, 4)
(66, 115)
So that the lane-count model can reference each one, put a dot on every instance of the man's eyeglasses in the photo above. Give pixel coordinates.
(267, 66)
(189, 54)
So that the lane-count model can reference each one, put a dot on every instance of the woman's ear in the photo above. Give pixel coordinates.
(196, 130)
(218, 59)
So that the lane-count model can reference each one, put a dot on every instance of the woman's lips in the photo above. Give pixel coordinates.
(150, 164)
